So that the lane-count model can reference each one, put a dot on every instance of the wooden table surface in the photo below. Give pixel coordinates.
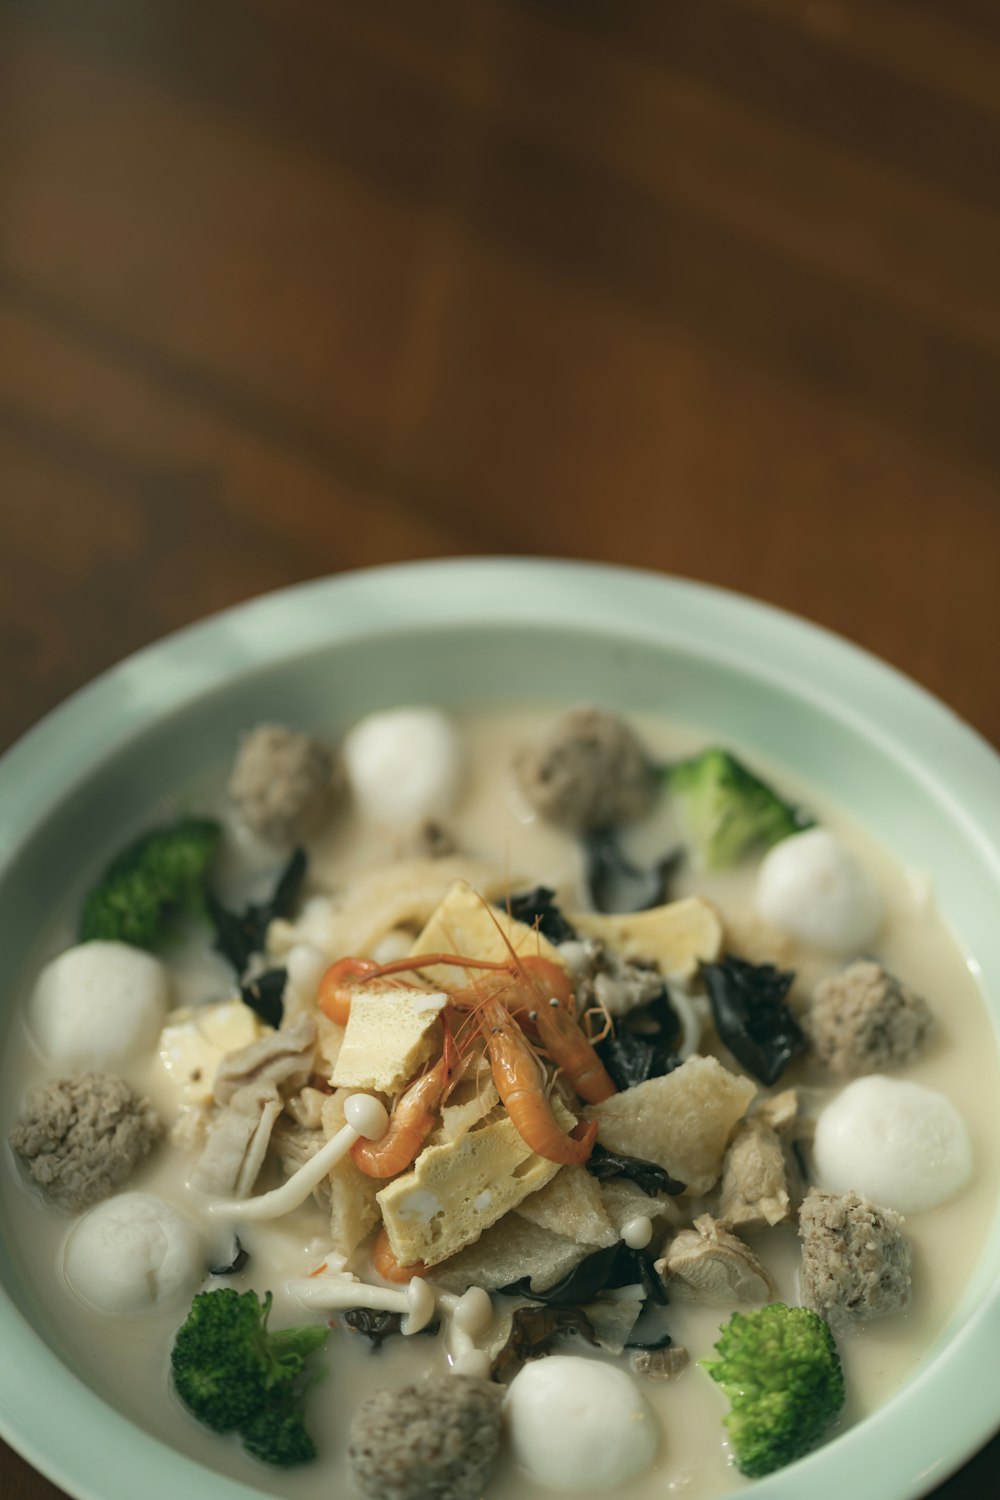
(294, 286)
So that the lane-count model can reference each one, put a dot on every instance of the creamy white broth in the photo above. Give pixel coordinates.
(126, 1359)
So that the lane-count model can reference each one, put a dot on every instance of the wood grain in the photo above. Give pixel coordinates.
(293, 286)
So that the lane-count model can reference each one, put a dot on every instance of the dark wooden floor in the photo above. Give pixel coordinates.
(292, 286)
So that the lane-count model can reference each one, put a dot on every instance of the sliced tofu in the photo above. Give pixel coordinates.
(455, 1191)
(465, 923)
(195, 1040)
(391, 1033)
(676, 937)
(682, 1121)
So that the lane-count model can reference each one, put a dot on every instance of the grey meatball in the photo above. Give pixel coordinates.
(81, 1138)
(864, 1020)
(855, 1258)
(589, 772)
(437, 1441)
(284, 783)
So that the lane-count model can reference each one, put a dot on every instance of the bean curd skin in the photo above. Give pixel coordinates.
(126, 1359)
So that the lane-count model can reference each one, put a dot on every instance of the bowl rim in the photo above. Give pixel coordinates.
(946, 1411)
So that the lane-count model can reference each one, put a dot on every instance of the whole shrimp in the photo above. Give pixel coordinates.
(518, 1074)
(520, 1082)
(552, 1015)
(534, 992)
(537, 991)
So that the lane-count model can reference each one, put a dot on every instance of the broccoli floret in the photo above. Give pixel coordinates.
(157, 878)
(279, 1437)
(780, 1368)
(232, 1373)
(728, 809)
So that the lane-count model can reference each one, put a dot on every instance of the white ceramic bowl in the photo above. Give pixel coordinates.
(488, 631)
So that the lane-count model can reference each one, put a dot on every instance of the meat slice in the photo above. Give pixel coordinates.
(284, 1058)
(238, 1142)
(708, 1264)
(754, 1189)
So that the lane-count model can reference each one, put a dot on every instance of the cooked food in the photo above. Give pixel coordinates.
(234, 1374)
(813, 887)
(150, 884)
(452, 1108)
(440, 1439)
(780, 1368)
(284, 783)
(708, 1263)
(405, 766)
(728, 810)
(856, 1259)
(99, 1005)
(133, 1252)
(83, 1137)
(865, 1020)
(896, 1142)
(579, 1425)
(589, 771)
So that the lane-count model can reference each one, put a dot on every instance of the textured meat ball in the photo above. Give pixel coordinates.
(855, 1258)
(864, 1020)
(437, 1441)
(284, 783)
(589, 772)
(82, 1137)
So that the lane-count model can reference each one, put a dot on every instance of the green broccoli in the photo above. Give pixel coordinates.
(155, 879)
(279, 1437)
(233, 1374)
(728, 809)
(780, 1368)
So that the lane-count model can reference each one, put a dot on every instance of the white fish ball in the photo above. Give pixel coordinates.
(816, 889)
(576, 1424)
(134, 1252)
(404, 765)
(895, 1142)
(99, 1005)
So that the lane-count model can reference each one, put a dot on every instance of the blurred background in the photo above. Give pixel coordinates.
(294, 286)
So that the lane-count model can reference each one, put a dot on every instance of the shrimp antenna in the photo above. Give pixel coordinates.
(537, 989)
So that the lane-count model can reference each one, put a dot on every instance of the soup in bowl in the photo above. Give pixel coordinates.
(587, 981)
